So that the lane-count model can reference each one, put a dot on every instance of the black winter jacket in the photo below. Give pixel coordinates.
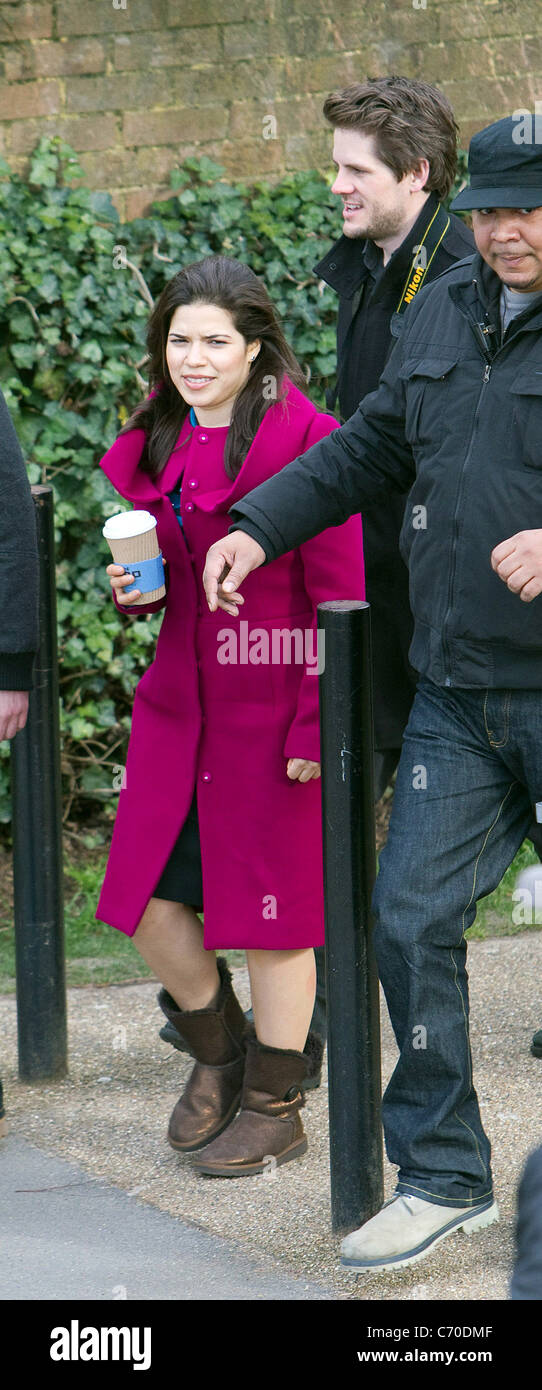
(366, 311)
(457, 423)
(364, 343)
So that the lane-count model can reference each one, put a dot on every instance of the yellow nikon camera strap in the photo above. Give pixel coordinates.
(423, 255)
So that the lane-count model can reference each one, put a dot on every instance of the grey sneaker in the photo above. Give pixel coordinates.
(406, 1229)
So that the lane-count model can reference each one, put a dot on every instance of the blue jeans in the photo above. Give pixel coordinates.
(469, 773)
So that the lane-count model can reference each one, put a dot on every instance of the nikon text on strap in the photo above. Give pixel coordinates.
(423, 256)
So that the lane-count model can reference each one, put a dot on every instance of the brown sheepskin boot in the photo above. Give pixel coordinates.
(213, 1091)
(268, 1130)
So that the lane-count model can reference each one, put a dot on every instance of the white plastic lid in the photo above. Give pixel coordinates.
(128, 524)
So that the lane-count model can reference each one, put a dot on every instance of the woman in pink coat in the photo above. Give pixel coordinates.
(223, 713)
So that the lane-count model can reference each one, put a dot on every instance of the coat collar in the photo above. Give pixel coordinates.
(121, 465)
(277, 430)
(344, 267)
(475, 288)
(279, 437)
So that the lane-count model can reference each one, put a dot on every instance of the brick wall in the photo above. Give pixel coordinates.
(137, 85)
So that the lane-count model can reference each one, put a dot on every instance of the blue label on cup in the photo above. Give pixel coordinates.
(148, 575)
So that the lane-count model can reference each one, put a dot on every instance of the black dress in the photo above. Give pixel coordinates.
(181, 880)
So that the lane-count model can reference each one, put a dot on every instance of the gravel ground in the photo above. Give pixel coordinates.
(111, 1114)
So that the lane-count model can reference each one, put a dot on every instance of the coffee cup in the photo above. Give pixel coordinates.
(133, 542)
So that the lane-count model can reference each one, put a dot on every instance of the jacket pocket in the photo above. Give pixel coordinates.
(427, 392)
(526, 422)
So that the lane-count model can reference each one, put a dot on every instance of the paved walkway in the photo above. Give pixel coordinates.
(262, 1237)
(66, 1235)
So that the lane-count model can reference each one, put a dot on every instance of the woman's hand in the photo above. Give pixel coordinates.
(119, 578)
(13, 712)
(302, 769)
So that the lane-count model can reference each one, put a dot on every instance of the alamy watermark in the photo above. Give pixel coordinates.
(83, 1343)
(255, 646)
(528, 125)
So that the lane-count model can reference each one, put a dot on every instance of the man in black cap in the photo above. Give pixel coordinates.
(457, 423)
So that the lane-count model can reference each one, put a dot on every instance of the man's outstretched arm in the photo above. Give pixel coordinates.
(332, 481)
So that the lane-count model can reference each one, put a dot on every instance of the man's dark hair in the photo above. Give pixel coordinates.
(409, 120)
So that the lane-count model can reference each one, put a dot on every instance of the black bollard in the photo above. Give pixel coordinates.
(37, 841)
(346, 723)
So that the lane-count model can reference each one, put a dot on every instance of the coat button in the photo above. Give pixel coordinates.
(202, 438)
(193, 482)
(206, 777)
(189, 506)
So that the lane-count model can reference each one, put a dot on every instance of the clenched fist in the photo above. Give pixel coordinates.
(302, 769)
(518, 562)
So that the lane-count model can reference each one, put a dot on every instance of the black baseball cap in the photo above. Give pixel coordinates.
(505, 165)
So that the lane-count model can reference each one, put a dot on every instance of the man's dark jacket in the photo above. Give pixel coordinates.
(366, 306)
(457, 423)
(364, 341)
(18, 564)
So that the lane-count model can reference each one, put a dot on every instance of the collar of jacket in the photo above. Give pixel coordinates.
(278, 440)
(477, 290)
(344, 268)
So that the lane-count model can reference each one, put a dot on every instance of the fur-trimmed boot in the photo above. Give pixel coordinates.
(313, 1051)
(213, 1091)
(268, 1130)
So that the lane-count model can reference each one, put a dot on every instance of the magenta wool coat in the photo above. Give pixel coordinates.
(225, 719)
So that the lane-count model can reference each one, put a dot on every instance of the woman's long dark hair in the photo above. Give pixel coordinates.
(232, 286)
